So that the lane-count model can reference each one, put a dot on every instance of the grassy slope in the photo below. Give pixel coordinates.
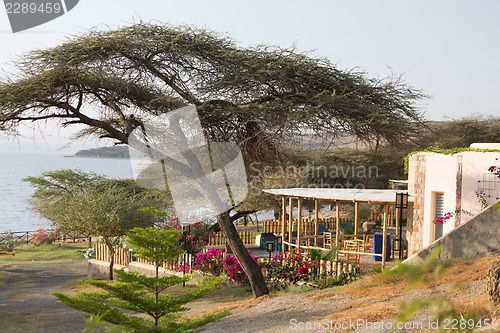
(53, 254)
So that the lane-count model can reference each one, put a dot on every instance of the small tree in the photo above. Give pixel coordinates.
(155, 244)
(144, 294)
(193, 241)
(85, 202)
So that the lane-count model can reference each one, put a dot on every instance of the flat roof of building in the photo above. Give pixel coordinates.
(486, 145)
(339, 194)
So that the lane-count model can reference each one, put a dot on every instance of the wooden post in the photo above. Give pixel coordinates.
(337, 224)
(283, 223)
(299, 222)
(393, 212)
(384, 243)
(356, 218)
(316, 221)
(397, 223)
(290, 220)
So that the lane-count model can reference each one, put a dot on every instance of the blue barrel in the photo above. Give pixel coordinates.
(378, 244)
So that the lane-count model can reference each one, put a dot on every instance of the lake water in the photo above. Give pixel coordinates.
(15, 214)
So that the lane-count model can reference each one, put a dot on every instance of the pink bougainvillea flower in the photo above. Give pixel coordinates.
(302, 270)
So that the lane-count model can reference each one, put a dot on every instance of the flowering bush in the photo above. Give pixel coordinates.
(90, 254)
(481, 198)
(495, 170)
(210, 262)
(286, 268)
(197, 237)
(180, 267)
(290, 267)
(235, 271)
(191, 242)
(441, 220)
(42, 236)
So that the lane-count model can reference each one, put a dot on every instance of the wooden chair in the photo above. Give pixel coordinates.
(305, 242)
(367, 243)
(351, 245)
(327, 240)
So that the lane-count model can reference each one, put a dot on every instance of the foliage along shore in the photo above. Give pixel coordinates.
(104, 152)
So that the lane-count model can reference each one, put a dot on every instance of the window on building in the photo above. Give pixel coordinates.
(438, 212)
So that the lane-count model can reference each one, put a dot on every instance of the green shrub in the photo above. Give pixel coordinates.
(7, 241)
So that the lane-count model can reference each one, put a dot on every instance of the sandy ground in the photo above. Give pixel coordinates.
(285, 313)
(463, 284)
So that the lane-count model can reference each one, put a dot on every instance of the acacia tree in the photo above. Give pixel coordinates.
(88, 203)
(112, 81)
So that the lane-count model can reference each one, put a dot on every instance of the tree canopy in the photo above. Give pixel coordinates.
(90, 204)
(246, 95)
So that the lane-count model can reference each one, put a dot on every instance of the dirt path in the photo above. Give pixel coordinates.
(26, 300)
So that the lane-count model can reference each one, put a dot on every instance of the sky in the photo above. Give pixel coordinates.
(448, 49)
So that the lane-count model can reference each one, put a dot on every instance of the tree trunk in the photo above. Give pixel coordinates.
(111, 256)
(252, 270)
(195, 171)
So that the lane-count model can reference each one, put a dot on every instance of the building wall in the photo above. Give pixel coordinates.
(457, 177)
(478, 237)
(475, 177)
(440, 177)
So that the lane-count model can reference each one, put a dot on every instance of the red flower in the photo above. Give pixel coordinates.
(302, 270)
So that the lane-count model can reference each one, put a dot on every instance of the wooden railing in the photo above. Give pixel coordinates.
(376, 215)
(220, 239)
(27, 236)
(125, 256)
(121, 255)
(327, 267)
(307, 226)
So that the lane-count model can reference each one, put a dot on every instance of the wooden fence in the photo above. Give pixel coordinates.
(328, 267)
(125, 256)
(219, 239)
(307, 226)
(121, 256)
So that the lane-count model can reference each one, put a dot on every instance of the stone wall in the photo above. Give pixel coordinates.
(478, 237)
(99, 270)
(416, 181)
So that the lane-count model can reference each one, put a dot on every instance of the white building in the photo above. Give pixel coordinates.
(443, 184)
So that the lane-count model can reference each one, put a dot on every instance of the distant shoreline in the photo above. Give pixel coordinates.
(104, 152)
(97, 156)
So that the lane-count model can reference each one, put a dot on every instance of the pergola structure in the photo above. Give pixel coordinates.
(356, 196)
